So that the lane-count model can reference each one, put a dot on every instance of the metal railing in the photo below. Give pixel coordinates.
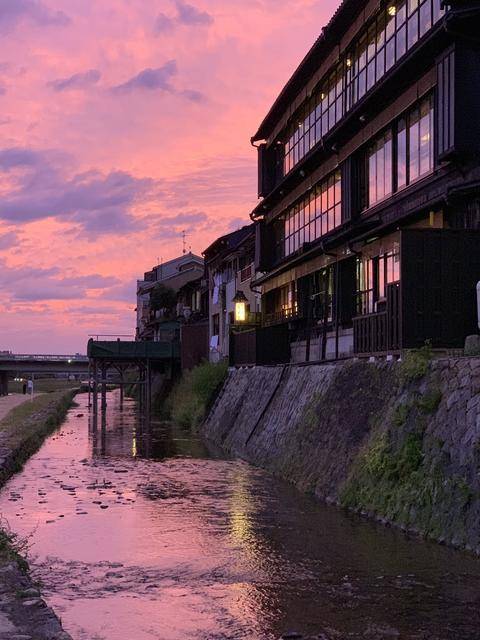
(22, 357)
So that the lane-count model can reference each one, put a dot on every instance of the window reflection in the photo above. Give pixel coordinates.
(396, 29)
(312, 217)
(380, 169)
(414, 154)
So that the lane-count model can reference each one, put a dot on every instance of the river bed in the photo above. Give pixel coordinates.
(139, 532)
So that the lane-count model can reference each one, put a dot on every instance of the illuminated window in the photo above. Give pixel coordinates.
(395, 30)
(315, 215)
(374, 274)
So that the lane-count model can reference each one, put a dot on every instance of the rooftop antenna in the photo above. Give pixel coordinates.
(184, 240)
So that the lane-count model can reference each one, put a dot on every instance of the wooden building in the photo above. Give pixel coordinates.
(368, 228)
(230, 271)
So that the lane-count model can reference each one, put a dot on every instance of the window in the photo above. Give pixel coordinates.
(395, 30)
(315, 215)
(415, 143)
(380, 173)
(388, 171)
(374, 274)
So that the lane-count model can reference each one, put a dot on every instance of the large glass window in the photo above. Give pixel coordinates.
(415, 143)
(374, 274)
(312, 217)
(395, 30)
(380, 173)
(388, 171)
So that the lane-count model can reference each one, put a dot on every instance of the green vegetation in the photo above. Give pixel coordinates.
(429, 402)
(13, 548)
(400, 415)
(385, 474)
(162, 297)
(27, 425)
(25, 429)
(415, 364)
(191, 398)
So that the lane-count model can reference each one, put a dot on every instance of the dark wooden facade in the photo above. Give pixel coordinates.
(263, 346)
(367, 231)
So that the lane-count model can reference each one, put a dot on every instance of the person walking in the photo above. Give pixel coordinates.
(30, 387)
(24, 388)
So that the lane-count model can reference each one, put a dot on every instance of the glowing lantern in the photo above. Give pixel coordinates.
(240, 302)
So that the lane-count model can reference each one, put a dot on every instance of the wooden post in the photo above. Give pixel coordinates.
(122, 382)
(103, 382)
(103, 434)
(89, 385)
(95, 387)
(140, 387)
(149, 389)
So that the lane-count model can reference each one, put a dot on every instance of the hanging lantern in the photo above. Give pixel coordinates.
(240, 302)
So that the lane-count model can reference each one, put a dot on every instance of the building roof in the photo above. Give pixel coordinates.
(344, 15)
(229, 242)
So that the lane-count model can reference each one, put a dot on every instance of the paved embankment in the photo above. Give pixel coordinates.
(397, 442)
(23, 427)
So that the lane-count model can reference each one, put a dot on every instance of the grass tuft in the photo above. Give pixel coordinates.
(190, 399)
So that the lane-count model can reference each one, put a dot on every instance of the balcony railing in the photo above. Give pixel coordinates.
(278, 317)
(380, 332)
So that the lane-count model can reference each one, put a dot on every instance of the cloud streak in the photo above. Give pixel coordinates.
(187, 15)
(13, 12)
(97, 203)
(151, 80)
(77, 81)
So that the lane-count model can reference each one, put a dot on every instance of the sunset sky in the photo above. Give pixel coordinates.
(123, 122)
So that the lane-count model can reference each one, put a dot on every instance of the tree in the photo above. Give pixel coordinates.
(162, 297)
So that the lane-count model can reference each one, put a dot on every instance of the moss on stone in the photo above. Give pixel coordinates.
(429, 402)
(400, 414)
(415, 364)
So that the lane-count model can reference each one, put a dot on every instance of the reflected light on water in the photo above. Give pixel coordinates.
(140, 531)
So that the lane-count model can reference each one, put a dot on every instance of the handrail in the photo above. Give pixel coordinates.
(43, 358)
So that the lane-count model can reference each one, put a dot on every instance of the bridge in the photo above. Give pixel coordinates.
(142, 358)
(24, 365)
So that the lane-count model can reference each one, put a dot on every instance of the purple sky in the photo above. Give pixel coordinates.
(123, 122)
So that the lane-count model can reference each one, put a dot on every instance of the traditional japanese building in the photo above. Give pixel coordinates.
(369, 178)
(230, 271)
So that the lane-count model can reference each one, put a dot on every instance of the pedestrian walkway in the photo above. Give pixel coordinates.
(7, 403)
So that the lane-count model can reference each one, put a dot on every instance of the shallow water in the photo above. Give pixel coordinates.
(137, 532)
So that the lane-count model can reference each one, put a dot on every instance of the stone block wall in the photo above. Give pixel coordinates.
(399, 442)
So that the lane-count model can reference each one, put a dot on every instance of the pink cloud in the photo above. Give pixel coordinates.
(99, 183)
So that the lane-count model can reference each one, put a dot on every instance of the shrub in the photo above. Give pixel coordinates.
(191, 398)
(415, 364)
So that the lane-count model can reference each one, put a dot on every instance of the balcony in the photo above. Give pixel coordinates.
(380, 332)
(279, 317)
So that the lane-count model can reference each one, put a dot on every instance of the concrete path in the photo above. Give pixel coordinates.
(7, 403)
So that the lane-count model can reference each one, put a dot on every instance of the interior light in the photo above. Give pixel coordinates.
(392, 10)
(349, 62)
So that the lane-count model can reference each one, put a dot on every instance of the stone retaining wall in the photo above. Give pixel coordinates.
(399, 442)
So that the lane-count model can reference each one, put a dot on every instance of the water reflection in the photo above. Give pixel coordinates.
(142, 532)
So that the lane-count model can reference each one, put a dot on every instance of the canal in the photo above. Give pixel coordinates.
(140, 532)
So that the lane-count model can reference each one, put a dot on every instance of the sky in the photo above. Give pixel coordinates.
(123, 123)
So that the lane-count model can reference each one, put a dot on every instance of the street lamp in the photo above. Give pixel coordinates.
(240, 302)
